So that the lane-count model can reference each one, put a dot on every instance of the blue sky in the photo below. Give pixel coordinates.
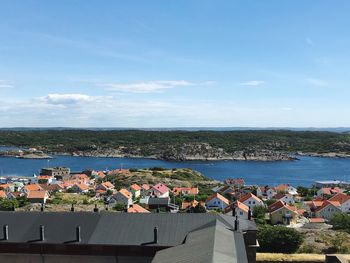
(174, 63)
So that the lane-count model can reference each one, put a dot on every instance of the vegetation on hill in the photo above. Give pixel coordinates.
(179, 144)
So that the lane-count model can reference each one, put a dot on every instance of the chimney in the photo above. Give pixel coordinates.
(249, 214)
(236, 224)
(72, 208)
(42, 233)
(77, 234)
(233, 210)
(6, 232)
(155, 232)
(96, 209)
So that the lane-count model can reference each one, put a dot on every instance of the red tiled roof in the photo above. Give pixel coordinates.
(340, 197)
(316, 220)
(135, 187)
(2, 194)
(220, 197)
(247, 196)
(278, 205)
(145, 187)
(126, 193)
(331, 190)
(161, 188)
(135, 208)
(37, 194)
(108, 184)
(32, 187)
(327, 203)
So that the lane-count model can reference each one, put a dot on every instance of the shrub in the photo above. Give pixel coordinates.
(7, 204)
(279, 239)
(341, 221)
(119, 207)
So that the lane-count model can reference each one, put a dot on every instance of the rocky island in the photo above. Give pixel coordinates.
(257, 145)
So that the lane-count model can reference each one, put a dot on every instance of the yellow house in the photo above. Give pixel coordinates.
(282, 213)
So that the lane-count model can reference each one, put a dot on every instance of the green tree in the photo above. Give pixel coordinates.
(279, 239)
(259, 213)
(119, 207)
(8, 204)
(199, 209)
(341, 221)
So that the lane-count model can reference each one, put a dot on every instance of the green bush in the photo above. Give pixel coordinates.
(8, 204)
(279, 239)
(341, 221)
(119, 207)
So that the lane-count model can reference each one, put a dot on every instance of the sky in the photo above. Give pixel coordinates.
(184, 63)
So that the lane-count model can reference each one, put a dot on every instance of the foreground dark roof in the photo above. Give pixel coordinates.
(183, 237)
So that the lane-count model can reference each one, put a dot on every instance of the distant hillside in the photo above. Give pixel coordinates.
(266, 145)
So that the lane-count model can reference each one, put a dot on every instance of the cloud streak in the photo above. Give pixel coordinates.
(147, 87)
(252, 83)
(5, 84)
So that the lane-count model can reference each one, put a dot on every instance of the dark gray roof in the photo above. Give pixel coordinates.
(191, 235)
(158, 201)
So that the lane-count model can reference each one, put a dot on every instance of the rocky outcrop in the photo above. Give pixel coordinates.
(190, 151)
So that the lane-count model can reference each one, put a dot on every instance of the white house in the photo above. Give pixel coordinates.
(217, 201)
(251, 200)
(344, 201)
(123, 196)
(270, 193)
(241, 210)
(286, 198)
(159, 190)
(328, 209)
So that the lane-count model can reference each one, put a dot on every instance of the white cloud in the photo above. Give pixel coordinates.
(5, 84)
(252, 83)
(309, 41)
(316, 82)
(62, 99)
(146, 87)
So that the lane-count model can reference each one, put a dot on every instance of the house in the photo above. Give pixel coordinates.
(123, 196)
(101, 175)
(344, 201)
(52, 188)
(217, 201)
(186, 206)
(286, 189)
(135, 189)
(238, 209)
(80, 178)
(328, 209)
(183, 191)
(328, 191)
(45, 179)
(270, 193)
(80, 188)
(135, 208)
(312, 206)
(159, 190)
(282, 213)
(330, 184)
(14, 195)
(105, 186)
(31, 187)
(287, 198)
(251, 200)
(37, 196)
(235, 182)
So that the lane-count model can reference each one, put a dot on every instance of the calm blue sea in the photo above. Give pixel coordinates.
(303, 172)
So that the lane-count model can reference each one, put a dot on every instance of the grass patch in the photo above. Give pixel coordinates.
(278, 257)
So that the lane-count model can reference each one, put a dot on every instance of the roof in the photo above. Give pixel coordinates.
(158, 201)
(328, 203)
(186, 205)
(101, 174)
(162, 188)
(249, 195)
(191, 190)
(204, 238)
(37, 194)
(218, 196)
(135, 208)
(146, 187)
(316, 220)
(135, 187)
(108, 184)
(278, 205)
(82, 186)
(282, 187)
(340, 197)
(2, 194)
(125, 193)
(331, 190)
(32, 187)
